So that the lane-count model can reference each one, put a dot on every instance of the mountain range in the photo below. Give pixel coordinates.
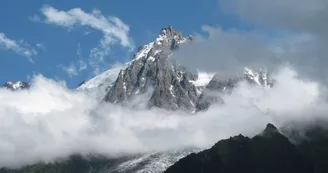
(152, 73)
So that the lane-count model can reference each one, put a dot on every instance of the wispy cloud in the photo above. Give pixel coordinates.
(113, 29)
(35, 18)
(76, 67)
(41, 46)
(19, 47)
(81, 62)
(70, 70)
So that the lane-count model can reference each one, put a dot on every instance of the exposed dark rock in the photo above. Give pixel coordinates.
(269, 152)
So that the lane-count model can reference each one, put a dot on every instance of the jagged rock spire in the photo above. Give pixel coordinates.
(150, 68)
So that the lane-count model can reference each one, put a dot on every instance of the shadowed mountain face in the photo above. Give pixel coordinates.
(268, 152)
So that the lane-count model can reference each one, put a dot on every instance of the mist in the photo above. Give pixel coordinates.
(50, 122)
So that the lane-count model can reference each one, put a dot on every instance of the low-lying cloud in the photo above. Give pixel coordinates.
(49, 121)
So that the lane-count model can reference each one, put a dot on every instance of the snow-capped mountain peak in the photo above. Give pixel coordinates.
(260, 78)
(150, 68)
(16, 85)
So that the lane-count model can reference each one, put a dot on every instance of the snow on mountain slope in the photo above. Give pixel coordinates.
(202, 80)
(260, 78)
(98, 85)
(152, 163)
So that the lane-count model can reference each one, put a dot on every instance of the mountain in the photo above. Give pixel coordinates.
(268, 152)
(151, 69)
(169, 85)
(16, 85)
(221, 84)
(165, 84)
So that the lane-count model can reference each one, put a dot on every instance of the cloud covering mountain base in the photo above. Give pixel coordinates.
(49, 121)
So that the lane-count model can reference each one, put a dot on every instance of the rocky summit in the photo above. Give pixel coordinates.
(151, 69)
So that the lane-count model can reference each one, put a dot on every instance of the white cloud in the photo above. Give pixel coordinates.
(227, 51)
(304, 18)
(70, 70)
(81, 63)
(35, 18)
(41, 47)
(20, 47)
(114, 30)
(50, 121)
(75, 68)
(297, 15)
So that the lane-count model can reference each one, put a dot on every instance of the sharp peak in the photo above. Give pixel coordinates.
(169, 31)
(170, 27)
(270, 130)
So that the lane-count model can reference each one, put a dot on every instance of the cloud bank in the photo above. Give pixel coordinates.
(298, 25)
(49, 121)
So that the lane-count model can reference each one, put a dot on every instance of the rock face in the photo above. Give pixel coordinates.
(151, 69)
(269, 152)
(16, 85)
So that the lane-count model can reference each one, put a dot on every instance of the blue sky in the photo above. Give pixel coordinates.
(49, 48)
